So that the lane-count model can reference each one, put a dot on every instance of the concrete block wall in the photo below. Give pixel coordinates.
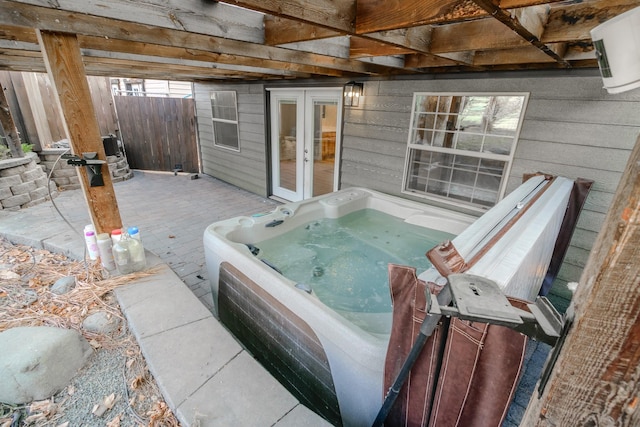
(66, 176)
(23, 183)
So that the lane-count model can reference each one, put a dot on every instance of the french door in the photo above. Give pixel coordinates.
(305, 138)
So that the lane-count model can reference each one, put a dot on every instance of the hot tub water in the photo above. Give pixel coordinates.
(344, 260)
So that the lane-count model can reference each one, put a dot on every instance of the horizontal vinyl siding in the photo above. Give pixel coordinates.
(572, 128)
(245, 169)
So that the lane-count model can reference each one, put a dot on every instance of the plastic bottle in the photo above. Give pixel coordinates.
(134, 232)
(105, 249)
(92, 244)
(116, 235)
(128, 254)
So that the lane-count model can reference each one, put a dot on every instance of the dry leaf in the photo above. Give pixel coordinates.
(65, 424)
(106, 404)
(71, 390)
(47, 407)
(137, 382)
(95, 344)
(114, 422)
(32, 419)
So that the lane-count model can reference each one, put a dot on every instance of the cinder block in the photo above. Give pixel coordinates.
(38, 193)
(16, 170)
(16, 201)
(24, 188)
(32, 164)
(47, 165)
(9, 181)
(57, 173)
(5, 193)
(33, 174)
(42, 181)
(121, 172)
(62, 181)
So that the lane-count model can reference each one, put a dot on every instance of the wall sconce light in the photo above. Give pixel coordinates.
(353, 93)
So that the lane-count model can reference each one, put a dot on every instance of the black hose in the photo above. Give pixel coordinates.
(426, 329)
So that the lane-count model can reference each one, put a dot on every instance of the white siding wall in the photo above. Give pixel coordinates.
(246, 169)
(572, 128)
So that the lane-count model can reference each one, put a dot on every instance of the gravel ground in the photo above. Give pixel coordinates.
(114, 388)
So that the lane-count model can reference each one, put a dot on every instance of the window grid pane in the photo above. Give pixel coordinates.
(224, 114)
(479, 126)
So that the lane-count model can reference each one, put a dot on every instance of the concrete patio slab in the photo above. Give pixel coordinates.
(166, 306)
(184, 358)
(241, 394)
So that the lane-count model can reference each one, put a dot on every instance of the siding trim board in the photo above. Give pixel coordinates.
(572, 127)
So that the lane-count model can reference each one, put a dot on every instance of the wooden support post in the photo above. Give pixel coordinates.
(9, 126)
(596, 380)
(63, 60)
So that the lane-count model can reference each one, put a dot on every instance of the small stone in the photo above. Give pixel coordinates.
(101, 323)
(63, 285)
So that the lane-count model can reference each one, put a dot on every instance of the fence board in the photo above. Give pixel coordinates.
(158, 133)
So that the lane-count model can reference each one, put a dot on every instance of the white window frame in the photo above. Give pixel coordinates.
(412, 146)
(215, 120)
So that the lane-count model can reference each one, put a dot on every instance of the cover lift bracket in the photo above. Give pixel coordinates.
(477, 299)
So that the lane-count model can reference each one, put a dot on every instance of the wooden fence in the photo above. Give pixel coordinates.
(158, 133)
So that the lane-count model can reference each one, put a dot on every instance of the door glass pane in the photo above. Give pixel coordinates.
(287, 141)
(325, 118)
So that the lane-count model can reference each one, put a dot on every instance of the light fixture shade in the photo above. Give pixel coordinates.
(353, 93)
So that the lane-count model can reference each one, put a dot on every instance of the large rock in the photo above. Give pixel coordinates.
(37, 362)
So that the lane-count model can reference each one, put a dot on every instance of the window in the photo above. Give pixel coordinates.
(224, 112)
(461, 146)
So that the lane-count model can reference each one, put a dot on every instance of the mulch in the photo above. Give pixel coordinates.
(26, 276)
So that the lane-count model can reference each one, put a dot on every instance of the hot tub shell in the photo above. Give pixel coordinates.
(354, 356)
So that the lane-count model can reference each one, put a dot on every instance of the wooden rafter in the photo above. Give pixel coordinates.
(521, 28)
(19, 14)
(276, 39)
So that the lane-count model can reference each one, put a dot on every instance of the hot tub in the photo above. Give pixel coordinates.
(342, 350)
(332, 359)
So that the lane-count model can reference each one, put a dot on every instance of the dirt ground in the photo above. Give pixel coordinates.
(115, 388)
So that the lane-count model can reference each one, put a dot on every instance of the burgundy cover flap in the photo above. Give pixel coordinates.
(480, 364)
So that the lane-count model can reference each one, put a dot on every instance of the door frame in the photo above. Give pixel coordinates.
(304, 97)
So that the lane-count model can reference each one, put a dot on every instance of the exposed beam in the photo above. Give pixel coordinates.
(481, 34)
(64, 65)
(574, 22)
(19, 14)
(524, 55)
(20, 34)
(278, 30)
(361, 47)
(516, 25)
(418, 61)
(379, 15)
(332, 14)
(193, 16)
